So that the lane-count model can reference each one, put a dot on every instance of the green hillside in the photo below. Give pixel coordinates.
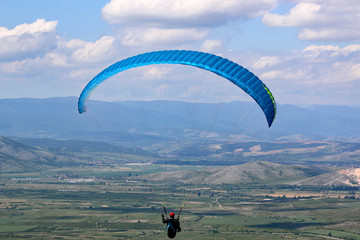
(25, 155)
(17, 157)
(67, 146)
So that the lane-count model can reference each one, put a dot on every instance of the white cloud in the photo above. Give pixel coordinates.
(58, 59)
(39, 41)
(211, 45)
(155, 72)
(35, 53)
(321, 20)
(287, 74)
(316, 75)
(80, 73)
(342, 73)
(314, 51)
(322, 48)
(266, 61)
(72, 56)
(326, 64)
(178, 22)
(183, 13)
(303, 14)
(336, 34)
(158, 36)
(271, 74)
(26, 68)
(75, 43)
(39, 25)
(351, 48)
(27, 40)
(101, 50)
(354, 71)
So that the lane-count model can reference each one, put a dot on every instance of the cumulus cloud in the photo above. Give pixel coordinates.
(100, 50)
(27, 40)
(155, 72)
(266, 61)
(313, 51)
(183, 13)
(321, 20)
(329, 63)
(211, 45)
(344, 34)
(34, 51)
(177, 22)
(158, 36)
(339, 65)
(303, 14)
(322, 73)
(39, 25)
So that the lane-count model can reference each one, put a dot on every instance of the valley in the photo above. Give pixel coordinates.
(123, 202)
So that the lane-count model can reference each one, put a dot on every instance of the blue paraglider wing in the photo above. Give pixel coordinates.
(237, 74)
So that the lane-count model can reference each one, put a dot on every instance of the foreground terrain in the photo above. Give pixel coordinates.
(122, 202)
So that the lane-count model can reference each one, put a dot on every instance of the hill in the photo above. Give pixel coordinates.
(286, 152)
(17, 157)
(247, 173)
(25, 155)
(69, 146)
(346, 177)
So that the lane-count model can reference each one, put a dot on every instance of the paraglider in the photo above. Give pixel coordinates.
(223, 67)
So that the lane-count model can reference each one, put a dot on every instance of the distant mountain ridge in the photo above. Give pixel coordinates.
(141, 121)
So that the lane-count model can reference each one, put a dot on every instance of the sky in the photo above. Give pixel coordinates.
(306, 51)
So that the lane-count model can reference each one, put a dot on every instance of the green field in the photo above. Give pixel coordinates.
(114, 203)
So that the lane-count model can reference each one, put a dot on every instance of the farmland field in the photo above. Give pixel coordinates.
(113, 203)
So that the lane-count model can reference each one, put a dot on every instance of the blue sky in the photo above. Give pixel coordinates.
(306, 52)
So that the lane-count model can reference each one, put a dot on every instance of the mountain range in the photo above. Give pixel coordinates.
(140, 122)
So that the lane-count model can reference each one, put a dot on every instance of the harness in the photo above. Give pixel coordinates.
(171, 226)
